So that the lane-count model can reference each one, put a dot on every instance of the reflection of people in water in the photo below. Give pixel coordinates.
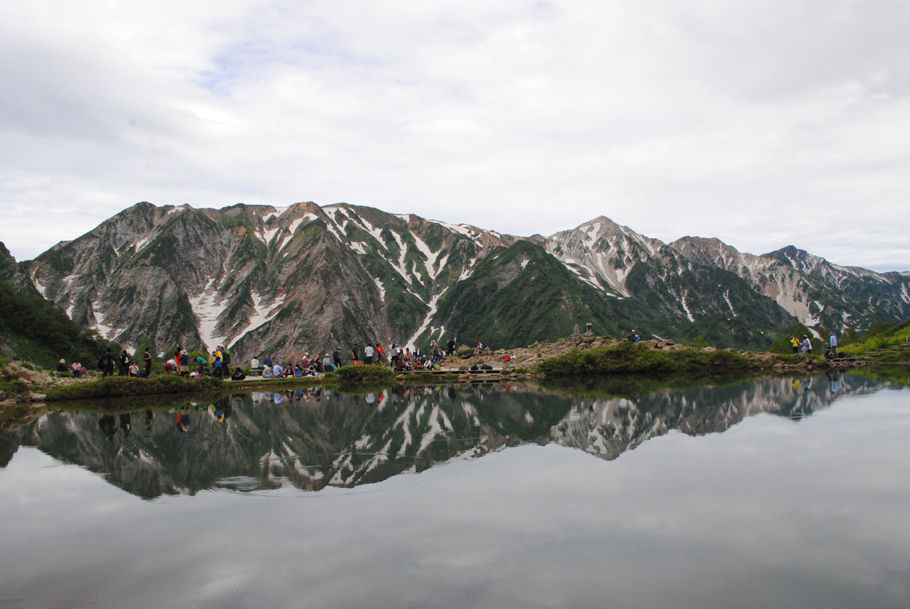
(126, 423)
(149, 419)
(217, 413)
(108, 426)
(833, 379)
(183, 421)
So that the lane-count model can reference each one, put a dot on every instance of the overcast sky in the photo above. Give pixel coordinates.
(763, 123)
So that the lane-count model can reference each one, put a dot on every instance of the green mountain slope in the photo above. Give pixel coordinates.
(519, 295)
(34, 329)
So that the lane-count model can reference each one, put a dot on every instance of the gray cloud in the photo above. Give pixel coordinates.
(761, 123)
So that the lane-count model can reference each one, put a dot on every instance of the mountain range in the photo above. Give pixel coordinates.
(305, 278)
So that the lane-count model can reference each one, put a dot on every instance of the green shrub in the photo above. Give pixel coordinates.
(365, 374)
(630, 357)
(14, 387)
(113, 386)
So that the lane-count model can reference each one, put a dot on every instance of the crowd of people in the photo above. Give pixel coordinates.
(124, 364)
(402, 359)
(399, 358)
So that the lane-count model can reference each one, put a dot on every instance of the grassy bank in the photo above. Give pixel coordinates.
(121, 386)
(638, 358)
(889, 344)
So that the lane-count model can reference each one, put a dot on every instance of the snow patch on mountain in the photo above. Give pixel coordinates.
(375, 231)
(399, 265)
(142, 243)
(42, 289)
(433, 307)
(276, 213)
(430, 257)
(602, 250)
(266, 234)
(471, 232)
(208, 308)
(729, 304)
(107, 332)
(583, 273)
(288, 236)
(685, 306)
(263, 311)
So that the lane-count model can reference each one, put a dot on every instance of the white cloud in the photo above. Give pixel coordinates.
(761, 123)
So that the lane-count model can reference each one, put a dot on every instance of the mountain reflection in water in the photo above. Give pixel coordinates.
(310, 438)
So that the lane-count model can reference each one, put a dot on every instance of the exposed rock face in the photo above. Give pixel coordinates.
(301, 278)
(808, 287)
(883, 295)
(258, 278)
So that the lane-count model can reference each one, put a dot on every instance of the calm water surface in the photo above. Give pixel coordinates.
(769, 493)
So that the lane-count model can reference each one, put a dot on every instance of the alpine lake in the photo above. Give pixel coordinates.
(626, 492)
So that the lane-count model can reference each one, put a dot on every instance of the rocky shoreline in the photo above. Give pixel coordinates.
(525, 359)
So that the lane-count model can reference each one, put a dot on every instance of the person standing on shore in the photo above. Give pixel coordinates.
(106, 363)
(123, 368)
(148, 362)
(368, 354)
(805, 346)
(833, 344)
(336, 357)
(393, 353)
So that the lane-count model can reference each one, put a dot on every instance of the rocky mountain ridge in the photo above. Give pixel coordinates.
(306, 277)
